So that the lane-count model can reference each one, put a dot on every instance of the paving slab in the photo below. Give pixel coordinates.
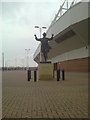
(43, 99)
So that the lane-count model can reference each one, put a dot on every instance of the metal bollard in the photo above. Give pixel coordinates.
(29, 74)
(53, 73)
(58, 75)
(2, 68)
(35, 76)
(63, 75)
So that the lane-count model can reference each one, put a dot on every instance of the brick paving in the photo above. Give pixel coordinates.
(43, 99)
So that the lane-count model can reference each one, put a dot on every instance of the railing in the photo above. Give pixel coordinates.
(67, 4)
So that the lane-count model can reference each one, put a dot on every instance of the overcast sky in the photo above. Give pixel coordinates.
(18, 20)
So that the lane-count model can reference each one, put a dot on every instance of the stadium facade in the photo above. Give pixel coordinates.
(70, 46)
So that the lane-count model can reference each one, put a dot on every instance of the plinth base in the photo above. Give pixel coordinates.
(45, 71)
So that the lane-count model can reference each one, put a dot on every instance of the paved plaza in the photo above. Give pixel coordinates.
(43, 99)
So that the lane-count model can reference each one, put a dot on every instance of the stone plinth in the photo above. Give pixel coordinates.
(45, 71)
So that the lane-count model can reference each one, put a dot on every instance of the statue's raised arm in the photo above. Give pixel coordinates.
(51, 37)
(37, 38)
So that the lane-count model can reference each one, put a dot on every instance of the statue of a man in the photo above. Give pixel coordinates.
(44, 44)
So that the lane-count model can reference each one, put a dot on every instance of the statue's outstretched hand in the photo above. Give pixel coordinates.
(52, 35)
(35, 35)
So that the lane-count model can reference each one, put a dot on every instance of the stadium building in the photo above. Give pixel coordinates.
(70, 46)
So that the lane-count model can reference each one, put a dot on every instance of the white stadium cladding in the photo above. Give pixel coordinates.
(71, 40)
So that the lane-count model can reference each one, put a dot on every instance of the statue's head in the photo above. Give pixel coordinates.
(44, 34)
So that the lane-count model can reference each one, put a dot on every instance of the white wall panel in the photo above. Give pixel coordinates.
(74, 54)
(76, 14)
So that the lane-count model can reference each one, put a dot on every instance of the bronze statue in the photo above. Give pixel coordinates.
(44, 44)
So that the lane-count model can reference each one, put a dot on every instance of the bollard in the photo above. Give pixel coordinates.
(29, 74)
(35, 76)
(53, 73)
(58, 75)
(63, 75)
(2, 68)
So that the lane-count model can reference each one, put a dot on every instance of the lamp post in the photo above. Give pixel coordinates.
(40, 30)
(27, 50)
(3, 63)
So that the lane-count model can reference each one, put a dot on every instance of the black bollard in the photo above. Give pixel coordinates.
(53, 73)
(63, 75)
(35, 76)
(58, 75)
(2, 68)
(29, 74)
